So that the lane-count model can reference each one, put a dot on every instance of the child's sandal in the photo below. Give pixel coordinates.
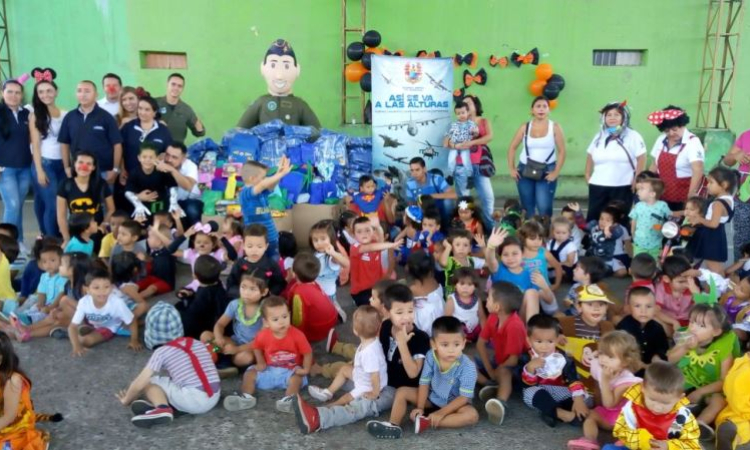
(582, 444)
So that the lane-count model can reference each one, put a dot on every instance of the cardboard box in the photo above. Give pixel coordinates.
(305, 216)
(284, 222)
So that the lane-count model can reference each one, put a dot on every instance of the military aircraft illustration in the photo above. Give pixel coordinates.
(411, 125)
(390, 142)
(398, 159)
(387, 80)
(430, 150)
(436, 83)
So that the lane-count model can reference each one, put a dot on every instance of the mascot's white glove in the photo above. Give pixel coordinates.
(173, 206)
(140, 209)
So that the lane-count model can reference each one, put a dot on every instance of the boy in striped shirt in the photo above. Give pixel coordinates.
(446, 387)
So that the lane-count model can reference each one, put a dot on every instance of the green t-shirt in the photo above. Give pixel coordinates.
(290, 109)
(178, 118)
(705, 368)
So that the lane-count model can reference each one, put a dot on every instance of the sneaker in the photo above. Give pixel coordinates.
(308, 419)
(422, 424)
(333, 337)
(239, 402)
(495, 411)
(707, 433)
(285, 404)
(487, 393)
(384, 430)
(59, 333)
(322, 395)
(140, 407)
(161, 415)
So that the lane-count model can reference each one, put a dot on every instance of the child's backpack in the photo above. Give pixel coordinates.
(163, 324)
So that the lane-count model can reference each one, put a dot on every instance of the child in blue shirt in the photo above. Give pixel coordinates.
(446, 387)
(510, 268)
(81, 226)
(254, 198)
(649, 211)
(51, 286)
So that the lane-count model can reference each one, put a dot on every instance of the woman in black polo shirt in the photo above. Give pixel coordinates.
(85, 192)
(15, 154)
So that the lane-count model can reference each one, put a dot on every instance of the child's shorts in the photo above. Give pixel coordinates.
(274, 378)
(187, 399)
(615, 264)
(106, 333)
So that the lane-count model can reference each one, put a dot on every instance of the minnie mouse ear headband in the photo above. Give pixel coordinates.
(656, 118)
(45, 74)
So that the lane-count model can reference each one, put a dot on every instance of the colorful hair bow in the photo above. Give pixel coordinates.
(464, 205)
(202, 228)
(502, 61)
(478, 78)
(531, 57)
(45, 74)
(142, 93)
(425, 54)
(470, 59)
(656, 118)
(458, 95)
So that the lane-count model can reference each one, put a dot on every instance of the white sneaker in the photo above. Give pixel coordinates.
(239, 402)
(285, 404)
(319, 394)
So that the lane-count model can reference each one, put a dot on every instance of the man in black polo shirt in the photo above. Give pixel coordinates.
(89, 127)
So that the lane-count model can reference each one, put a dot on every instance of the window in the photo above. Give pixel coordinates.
(619, 57)
(163, 60)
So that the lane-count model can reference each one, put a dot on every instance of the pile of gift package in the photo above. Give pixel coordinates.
(326, 166)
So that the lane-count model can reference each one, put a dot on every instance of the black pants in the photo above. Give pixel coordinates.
(601, 196)
(547, 405)
(362, 297)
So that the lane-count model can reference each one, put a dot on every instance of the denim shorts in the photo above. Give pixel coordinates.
(274, 378)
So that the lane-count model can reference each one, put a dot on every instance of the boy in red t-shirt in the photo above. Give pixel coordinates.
(283, 359)
(364, 254)
(312, 310)
(507, 333)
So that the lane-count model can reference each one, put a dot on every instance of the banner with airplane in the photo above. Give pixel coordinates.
(412, 108)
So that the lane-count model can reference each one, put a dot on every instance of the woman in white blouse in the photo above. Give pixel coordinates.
(44, 126)
(678, 156)
(617, 154)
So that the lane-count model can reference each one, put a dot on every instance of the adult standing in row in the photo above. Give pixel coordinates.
(740, 153)
(541, 160)
(482, 184)
(178, 115)
(91, 128)
(185, 173)
(615, 157)
(678, 156)
(48, 170)
(15, 156)
(112, 85)
(145, 127)
(128, 106)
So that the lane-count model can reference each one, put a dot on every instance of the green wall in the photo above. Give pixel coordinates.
(225, 41)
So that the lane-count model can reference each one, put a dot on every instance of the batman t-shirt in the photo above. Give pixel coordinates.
(90, 201)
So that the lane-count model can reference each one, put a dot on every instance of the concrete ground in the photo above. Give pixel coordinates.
(83, 390)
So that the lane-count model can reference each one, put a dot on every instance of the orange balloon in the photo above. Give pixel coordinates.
(544, 71)
(378, 50)
(553, 104)
(355, 71)
(537, 87)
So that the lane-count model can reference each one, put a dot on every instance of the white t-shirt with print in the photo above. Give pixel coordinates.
(611, 163)
(368, 360)
(112, 315)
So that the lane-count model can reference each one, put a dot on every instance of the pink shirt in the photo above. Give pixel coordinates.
(676, 306)
(743, 142)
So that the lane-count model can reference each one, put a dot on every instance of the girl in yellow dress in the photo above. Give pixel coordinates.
(18, 420)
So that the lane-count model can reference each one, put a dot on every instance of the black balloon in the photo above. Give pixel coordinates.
(551, 91)
(367, 61)
(371, 39)
(355, 51)
(558, 80)
(366, 82)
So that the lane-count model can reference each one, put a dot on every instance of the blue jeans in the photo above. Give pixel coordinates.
(536, 195)
(45, 197)
(483, 186)
(193, 209)
(14, 186)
